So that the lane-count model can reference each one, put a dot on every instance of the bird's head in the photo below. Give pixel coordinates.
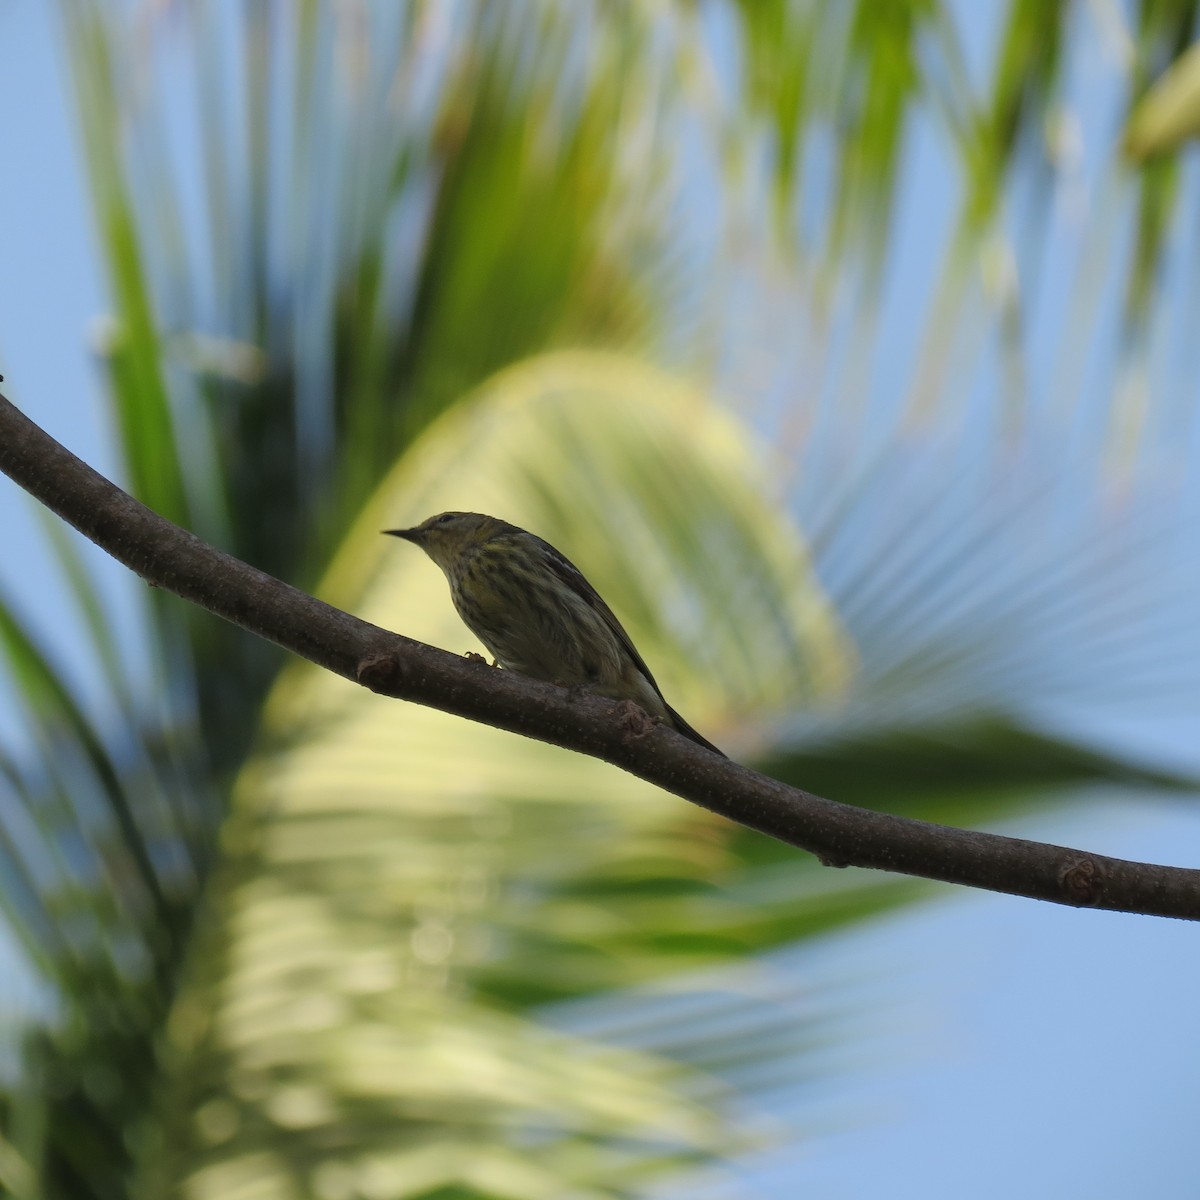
(450, 534)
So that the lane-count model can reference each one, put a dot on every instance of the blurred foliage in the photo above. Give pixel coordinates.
(372, 881)
(1169, 113)
(330, 230)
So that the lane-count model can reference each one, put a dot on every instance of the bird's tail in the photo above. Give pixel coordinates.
(688, 732)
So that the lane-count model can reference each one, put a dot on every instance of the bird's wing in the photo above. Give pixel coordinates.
(573, 577)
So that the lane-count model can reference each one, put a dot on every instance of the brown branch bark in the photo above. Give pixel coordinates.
(839, 834)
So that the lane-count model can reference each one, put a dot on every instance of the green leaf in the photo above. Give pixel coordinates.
(402, 887)
(1169, 113)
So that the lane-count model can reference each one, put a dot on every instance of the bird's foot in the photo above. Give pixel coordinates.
(575, 691)
(471, 656)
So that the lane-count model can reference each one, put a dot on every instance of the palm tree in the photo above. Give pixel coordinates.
(295, 940)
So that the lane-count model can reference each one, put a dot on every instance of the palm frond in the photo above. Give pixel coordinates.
(516, 874)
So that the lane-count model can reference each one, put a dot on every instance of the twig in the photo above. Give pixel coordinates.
(838, 834)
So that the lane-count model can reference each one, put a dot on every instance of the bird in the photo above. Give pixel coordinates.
(536, 613)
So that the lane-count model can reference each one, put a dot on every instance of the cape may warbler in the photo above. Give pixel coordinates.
(533, 609)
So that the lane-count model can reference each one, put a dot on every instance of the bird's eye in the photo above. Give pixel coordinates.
(444, 519)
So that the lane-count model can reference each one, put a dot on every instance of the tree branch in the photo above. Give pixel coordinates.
(838, 834)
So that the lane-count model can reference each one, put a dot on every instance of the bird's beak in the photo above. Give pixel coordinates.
(409, 535)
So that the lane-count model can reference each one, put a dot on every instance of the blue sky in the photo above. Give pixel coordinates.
(54, 294)
(1033, 1051)
(1023, 1049)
